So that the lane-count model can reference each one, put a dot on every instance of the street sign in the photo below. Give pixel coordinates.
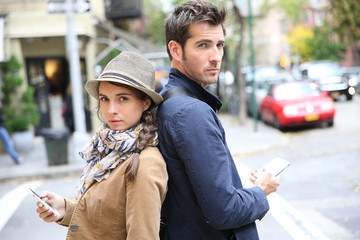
(59, 6)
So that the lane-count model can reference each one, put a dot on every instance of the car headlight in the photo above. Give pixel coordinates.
(351, 90)
(290, 110)
(352, 82)
(326, 106)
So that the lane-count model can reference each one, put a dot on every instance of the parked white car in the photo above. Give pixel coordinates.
(330, 76)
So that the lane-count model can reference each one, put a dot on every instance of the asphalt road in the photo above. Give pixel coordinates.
(318, 198)
(322, 183)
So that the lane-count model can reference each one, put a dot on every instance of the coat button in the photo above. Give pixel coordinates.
(74, 228)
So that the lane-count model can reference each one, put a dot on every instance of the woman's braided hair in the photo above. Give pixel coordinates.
(145, 136)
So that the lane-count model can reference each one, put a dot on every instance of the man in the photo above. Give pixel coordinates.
(206, 199)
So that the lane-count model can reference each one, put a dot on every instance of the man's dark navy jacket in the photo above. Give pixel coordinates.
(206, 199)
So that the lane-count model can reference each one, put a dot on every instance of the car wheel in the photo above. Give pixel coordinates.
(349, 97)
(276, 124)
(327, 124)
(330, 124)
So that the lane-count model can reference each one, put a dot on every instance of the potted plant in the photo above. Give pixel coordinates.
(18, 105)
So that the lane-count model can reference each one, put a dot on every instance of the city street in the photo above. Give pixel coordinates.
(319, 196)
(285, 56)
(322, 184)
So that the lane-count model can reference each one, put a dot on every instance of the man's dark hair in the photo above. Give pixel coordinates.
(194, 11)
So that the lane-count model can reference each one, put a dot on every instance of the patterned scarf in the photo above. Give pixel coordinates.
(107, 149)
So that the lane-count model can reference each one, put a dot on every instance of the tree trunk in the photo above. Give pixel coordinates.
(240, 76)
(356, 53)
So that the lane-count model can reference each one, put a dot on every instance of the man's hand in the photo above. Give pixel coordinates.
(265, 180)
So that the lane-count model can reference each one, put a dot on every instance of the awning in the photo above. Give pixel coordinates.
(130, 42)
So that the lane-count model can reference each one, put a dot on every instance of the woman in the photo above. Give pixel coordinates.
(125, 181)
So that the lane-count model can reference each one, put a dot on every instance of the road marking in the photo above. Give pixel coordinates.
(11, 201)
(298, 227)
(292, 220)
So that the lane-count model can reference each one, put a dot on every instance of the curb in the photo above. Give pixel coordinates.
(241, 140)
(54, 173)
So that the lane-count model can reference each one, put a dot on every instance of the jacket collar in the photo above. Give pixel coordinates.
(178, 79)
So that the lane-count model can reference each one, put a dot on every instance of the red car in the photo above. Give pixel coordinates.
(297, 103)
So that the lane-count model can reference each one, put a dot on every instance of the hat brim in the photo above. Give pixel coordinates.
(92, 87)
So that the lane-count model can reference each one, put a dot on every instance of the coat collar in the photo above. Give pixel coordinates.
(178, 79)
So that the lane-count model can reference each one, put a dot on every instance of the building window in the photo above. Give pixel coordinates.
(319, 18)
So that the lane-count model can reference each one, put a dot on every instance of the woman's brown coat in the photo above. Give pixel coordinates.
(118, 209)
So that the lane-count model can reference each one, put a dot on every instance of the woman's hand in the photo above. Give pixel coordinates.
(55, 201)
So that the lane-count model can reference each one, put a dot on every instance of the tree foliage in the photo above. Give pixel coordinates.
(292, 9)
(298, 39)
(315, 43)
(328, 41)
(323, 47)
(346, 20)
(346, 23)
(19, 107)
(155, 18)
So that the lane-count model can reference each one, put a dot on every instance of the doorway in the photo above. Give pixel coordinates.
(50, 79)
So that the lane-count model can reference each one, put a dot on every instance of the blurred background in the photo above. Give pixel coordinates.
(54, 46)
(290, 73)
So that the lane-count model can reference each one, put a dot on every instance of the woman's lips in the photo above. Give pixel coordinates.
(115, 121)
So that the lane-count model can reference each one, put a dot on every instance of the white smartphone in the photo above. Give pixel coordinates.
(35, 195)
(276, 166)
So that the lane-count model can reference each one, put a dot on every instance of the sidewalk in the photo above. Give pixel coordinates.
(36, 163)
(241, 139)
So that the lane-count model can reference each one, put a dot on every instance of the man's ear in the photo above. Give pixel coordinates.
(175, 50)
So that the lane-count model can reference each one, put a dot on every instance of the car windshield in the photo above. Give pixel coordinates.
(262, 72)
(324, 70)
(295, 90)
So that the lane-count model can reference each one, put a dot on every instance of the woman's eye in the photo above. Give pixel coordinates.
(123, 99)
(103, 99)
